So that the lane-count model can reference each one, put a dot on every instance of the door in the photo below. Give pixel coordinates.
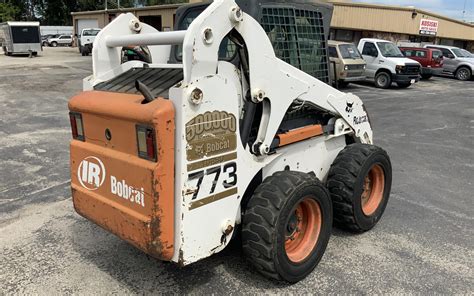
(449, 60)
(65, 40)
(422, 57)
(370, 54)
(86, 23)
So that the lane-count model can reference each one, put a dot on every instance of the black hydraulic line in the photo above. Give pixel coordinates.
(250, 107)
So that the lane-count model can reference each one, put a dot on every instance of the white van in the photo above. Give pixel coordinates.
(387, 64)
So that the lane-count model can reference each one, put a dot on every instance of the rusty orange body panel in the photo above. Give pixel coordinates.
(135, 197)
(300, 134)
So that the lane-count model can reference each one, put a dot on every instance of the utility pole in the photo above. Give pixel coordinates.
(118, 4)
(106, 5)
(464, 11)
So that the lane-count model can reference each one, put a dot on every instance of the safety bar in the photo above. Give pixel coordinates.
(161, 38)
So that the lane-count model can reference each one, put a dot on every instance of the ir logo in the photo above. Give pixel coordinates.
(91, 173)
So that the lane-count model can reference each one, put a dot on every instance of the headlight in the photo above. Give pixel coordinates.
(346, 67)
(364, 67)
(399, 68)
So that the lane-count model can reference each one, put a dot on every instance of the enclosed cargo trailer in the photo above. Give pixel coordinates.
(21, 38)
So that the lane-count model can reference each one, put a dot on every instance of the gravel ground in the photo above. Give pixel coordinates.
(423, 244)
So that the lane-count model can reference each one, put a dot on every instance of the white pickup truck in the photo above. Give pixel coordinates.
(86, 40)
(387, 64)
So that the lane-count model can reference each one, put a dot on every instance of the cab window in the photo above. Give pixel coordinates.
(332, 52)
(349, 51)
(369, 49)
(446, 52)
(437, 54)
(421, 54)
(298, 38)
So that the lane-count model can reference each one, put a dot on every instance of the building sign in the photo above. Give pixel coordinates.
(428, 27)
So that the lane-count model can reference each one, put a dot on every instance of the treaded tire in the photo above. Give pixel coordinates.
(463, 74)
(383, 80)
(267, 216)
(346, 181)
(343, 84)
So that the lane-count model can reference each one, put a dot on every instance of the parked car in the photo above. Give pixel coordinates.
(44, 39)
(86, 40)
(431, 60)
(457, 62)
(62, 40)
(348, 64)
(387, 64)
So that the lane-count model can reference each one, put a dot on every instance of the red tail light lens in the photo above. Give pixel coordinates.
(146, 143)
(76, 126)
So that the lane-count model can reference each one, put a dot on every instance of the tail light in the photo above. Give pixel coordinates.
(146, 142)
(76, 126)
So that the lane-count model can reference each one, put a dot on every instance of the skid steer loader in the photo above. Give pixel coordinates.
(225, 131)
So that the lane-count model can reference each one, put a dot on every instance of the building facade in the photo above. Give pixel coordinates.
(353, 21)
(160, 17)
(350, 22)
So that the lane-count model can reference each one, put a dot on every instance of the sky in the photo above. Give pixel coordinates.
(450, 8)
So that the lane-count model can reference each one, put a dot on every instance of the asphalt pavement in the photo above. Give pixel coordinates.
(424, 244)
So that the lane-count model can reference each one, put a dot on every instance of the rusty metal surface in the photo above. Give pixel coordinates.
(135, 199)
(300, 134)
(423, 245)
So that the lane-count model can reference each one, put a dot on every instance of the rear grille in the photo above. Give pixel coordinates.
(412, 69)
(355, 67)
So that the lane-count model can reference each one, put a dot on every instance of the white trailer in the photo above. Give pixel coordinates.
(56, 30)
(21, 38)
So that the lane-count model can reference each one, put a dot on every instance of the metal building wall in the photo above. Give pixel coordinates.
(368, 17)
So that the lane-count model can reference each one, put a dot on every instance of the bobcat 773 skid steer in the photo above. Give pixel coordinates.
(177, 157)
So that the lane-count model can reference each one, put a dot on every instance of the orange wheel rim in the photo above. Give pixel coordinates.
(374, 184)
(302, 230)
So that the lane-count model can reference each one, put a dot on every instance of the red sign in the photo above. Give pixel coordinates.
(428, 27)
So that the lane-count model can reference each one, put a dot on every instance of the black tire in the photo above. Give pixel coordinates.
(426, 76)
(383, 80)
(403, 84)
(343, 84)
(346, 180)
(268, 216)
(54, 44)
(463, 74)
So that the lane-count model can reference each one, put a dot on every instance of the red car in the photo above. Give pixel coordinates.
(431, 60)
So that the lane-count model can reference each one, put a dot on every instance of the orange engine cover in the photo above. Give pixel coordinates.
(111, 185)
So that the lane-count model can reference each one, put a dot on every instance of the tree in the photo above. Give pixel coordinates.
(58, 12)
(8, 12)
